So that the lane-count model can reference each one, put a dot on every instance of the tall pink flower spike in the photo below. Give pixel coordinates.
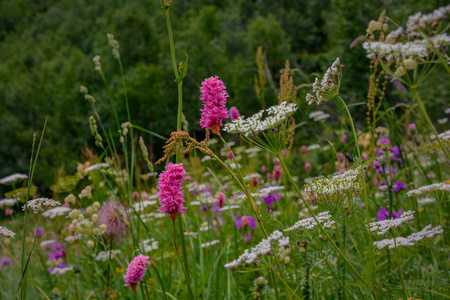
(136, 271)
(171, 196)
(214, 97)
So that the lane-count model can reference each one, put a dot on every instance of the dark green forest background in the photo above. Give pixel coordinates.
(46, 50)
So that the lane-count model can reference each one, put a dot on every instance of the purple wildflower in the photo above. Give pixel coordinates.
(399, 185)
(38, 231)
(383, 214)
(246, 222)
(136, 271)
(272, 198)
(170, 191)
(5, 261)
(214, 97)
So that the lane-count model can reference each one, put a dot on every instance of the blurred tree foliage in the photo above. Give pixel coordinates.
(46, 50)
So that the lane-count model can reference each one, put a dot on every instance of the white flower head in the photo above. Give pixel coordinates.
(41, 204)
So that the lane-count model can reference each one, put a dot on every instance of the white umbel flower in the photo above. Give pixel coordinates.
(8, 202)
(429, 188)
(208, 244)
(263, 248)
(255, 124)
(96, 167)
(104, 255)
(13, 178)
(6, 233)
(324, 218)
(41, 204)
(57, 211)
(327, 86)
(383, 226)
(411, 240)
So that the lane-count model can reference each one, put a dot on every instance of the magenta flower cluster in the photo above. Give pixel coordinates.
(136, 271)
(171, 197)
(214, 97)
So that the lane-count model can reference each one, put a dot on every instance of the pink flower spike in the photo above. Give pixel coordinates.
(136, 271)
(171, 196)
(214, 97)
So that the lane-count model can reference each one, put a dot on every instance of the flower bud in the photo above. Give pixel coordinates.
(409, 64)
(74, 213)
(96, 205)
(94, 218)
(400, 72)
(80, 218)
(90, 244)
(90, 210)
(103, 227)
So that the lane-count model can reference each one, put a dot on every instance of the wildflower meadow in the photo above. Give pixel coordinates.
(299, 190)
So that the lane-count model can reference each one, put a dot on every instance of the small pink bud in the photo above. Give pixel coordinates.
(307, 167)
(304, 149)
(344, 138)
(263, 169)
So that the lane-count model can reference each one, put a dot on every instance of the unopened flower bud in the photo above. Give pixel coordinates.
(90, 244)
(96, 205)
(74, 213)
(103, 227)
(400, 72)
(80, 218)
(90, 210)
(409, 64)
(94, 218)
(385, 27)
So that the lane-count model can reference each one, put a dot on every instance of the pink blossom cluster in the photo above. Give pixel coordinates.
(170, 191)
(136, 271)
(214, 97)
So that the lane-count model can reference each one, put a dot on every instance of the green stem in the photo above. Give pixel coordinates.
(428, 121)
(405, 293)
(191, 294)
(179, 115)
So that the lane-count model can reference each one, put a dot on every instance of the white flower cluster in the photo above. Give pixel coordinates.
(57, 211)
(142, 205)
(5, 232)
(394, 35)
(410, 240)
(346, 183)
(254, 124)
(424, 201)
(443, 136)
(318, 115)
(72, 238)
(13, 178)
(251, 176)
(208, 244)
(266, 191)
(149, 245)
(383, 226)
(309, 223)
(429, 188)
(263, 248)
(96, 167)
(41, 204)
(326, 86)
(104, 255)
(228, 207)
(419, 21)
(8, 202)
(61, 271)
(416, 48)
